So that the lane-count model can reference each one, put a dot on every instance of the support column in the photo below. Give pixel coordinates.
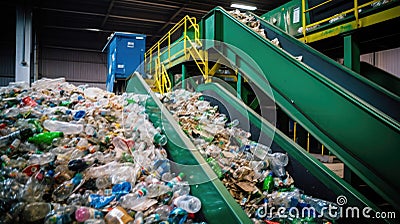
(301, 136)
(351, 60)
(282, 121)
(183, 76)
(35, 58)
(239, 86)
(351, 53)
(172, 78)
(23, 43)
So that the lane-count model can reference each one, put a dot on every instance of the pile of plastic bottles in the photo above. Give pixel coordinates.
(253, 174)
(82, 155)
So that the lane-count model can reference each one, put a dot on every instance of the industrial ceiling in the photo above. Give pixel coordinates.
(85, 25)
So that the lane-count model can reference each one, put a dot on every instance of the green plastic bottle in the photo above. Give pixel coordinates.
(46, 137)
(268, 183)
(215, 166)
(38, 126)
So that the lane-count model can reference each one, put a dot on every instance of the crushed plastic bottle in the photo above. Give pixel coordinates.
(189, 203)
(20, 134)
(66, 189)
(61, 126)
(278, 163)
(36, 211)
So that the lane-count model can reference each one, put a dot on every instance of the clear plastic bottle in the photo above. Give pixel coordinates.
(90, 130)
(278, 161)
(155, 190)
(189, 203)
(233, 123)
(284, 199)
(60, 215)
(82, 144)
(36, 211)
(103, 182)
(259, 150)
(132, 200)
(63, 191)
(84, 213)
(181, 188)
(120, 146)
(175, 180)
(66, 127)
(259, 168)
(139, 218)
(160, 214)
(161, 166)
(41, 159)
(20, 134)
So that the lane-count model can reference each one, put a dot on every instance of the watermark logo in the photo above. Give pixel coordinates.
(323, 209)
(341, 200)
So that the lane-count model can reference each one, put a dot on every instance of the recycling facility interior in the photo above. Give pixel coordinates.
(161, 111)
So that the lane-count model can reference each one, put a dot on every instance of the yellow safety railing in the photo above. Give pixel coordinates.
(353, 10)
(157, 56)
(161, 78)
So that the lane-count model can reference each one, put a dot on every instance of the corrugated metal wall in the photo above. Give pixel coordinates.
(78, 67)
(388, 60)
(7, 64)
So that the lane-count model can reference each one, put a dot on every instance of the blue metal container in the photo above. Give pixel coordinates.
(125, 54)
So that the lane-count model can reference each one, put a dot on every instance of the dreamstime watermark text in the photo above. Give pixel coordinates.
(330, 211)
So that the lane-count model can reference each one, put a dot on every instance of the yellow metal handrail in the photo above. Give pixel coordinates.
(161, 78)
(158, 70)
(355, 10)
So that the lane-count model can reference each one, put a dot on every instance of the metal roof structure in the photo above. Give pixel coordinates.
(86, 24)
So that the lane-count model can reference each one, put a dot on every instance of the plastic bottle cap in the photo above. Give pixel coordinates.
(79, 114)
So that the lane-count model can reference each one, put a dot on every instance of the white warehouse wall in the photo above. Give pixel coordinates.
(77, 66)
(388, 60)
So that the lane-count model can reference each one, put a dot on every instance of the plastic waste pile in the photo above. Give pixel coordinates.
(253, 23)
(254, 175)
(82, 155)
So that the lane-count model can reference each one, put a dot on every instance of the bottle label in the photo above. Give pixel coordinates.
(120, 214)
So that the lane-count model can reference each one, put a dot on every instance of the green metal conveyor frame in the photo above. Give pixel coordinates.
(363, 137)
(218, 206)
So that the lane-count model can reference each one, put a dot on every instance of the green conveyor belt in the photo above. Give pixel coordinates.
(309, 174)
(381, 77)
(341, 112)
(218, 206)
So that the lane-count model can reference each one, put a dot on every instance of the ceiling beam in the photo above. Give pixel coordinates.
(110, 6)
(169, 22)
(102, 15)
(137, 19)
(94, 30)
(71, 48)
(73, 12)
(171, 19)
(153, 4)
